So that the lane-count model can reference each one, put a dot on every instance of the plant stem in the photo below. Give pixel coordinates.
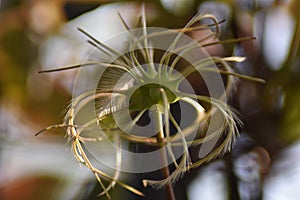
(160, 139)
(232, 182)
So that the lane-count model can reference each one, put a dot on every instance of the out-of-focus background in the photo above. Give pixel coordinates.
(42, 34)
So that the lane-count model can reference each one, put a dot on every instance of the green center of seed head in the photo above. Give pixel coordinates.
(148, 95)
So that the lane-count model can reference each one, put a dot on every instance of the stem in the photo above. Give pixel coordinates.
(160, 139)
(232, 182)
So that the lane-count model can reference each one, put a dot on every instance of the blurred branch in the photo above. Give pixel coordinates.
(294, 50)
(232, 180)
